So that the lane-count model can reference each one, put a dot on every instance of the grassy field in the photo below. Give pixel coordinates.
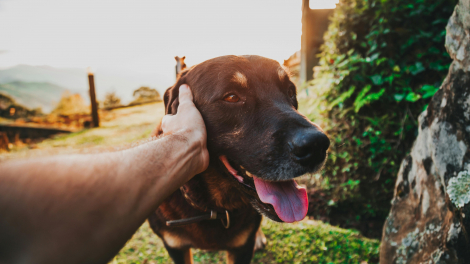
(305, 242)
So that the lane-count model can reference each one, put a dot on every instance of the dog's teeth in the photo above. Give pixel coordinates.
(242, 167)
(249, 174)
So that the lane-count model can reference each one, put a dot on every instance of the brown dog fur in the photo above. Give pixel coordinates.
(269, 105)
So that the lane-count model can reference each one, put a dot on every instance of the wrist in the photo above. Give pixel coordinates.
(195, 149)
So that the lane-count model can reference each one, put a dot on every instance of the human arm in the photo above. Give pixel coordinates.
(83, 208)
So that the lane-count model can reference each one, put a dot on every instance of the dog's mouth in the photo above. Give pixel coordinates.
(288, 199)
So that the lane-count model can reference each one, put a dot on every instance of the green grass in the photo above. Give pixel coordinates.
(118, 128)
(305, 242)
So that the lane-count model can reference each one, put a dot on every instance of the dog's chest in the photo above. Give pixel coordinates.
(206, 234)
(208, 238)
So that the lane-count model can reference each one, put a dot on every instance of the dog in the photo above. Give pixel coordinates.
(258, 143)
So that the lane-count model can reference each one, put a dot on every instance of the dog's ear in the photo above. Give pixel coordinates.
(171, 102)
(171, 95)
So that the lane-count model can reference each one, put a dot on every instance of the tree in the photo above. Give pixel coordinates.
(145, 94)
(71, 104)
(111, 100)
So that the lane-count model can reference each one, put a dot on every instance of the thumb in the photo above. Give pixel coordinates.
(165, 121)
(185, 96)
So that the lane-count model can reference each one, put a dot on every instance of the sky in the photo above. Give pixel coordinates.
(143, 36)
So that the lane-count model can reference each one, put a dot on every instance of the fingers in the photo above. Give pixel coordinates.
(165, 120)
(185, 97)
(185, 93)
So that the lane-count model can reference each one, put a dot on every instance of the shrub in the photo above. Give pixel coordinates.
(111, 100)
(144, 95)
(381, 62)
(71, 104)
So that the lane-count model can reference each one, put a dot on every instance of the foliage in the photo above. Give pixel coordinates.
(305, 242)
(459, 189)
(9, 108)
(71, 104)
(111, 100)
(33, 94)
(381, 62)
(145, 94)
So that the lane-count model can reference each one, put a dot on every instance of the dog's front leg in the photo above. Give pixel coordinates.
(180, 256)
(243, 254)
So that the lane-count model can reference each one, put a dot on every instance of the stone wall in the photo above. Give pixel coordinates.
(425, 225)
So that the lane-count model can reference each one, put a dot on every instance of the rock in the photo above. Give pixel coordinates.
(425, 224)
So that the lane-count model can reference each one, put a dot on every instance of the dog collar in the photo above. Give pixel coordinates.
(208, 216)
(212, 215)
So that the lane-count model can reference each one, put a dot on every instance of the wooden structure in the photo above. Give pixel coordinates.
(314, 25)
(15, 132)
(94, 104)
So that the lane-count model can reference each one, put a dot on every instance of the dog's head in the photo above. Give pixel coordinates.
(256, 138)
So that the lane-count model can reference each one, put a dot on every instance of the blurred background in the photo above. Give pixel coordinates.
(80, 76)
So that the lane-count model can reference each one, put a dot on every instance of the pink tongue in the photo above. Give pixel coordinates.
(288, 199)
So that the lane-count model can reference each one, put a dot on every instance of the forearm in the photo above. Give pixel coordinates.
(91, 203)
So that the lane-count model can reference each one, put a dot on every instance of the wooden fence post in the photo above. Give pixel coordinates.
(94, 105)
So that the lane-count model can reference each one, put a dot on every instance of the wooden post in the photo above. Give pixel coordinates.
(314, 24)
(303, 78)
(94, 105)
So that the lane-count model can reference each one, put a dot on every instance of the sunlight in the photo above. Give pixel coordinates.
(143, 36)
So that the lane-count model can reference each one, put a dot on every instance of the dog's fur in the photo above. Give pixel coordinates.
(253, 134)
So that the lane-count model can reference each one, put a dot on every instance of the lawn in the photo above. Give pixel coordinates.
(305, 242)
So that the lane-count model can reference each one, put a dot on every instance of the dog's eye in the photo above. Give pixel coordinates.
(232, 98)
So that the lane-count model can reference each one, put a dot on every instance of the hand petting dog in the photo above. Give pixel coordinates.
(83, 208)
(188, 121)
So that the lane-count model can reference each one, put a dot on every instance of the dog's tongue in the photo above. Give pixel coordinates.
(288, 199)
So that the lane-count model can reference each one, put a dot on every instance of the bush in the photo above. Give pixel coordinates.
(71, 104)
(145, 95)
(111, 100)
(381, 62)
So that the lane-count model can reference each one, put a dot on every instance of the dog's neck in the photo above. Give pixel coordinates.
(211, 190)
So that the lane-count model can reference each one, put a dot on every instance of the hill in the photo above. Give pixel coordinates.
(73, 79)
(34, 94)
(123, 83)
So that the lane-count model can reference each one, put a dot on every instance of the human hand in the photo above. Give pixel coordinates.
(189, 122)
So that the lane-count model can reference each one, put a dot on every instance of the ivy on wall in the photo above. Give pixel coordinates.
(381, 62)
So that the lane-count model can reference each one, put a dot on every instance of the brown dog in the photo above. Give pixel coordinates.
(257, 141)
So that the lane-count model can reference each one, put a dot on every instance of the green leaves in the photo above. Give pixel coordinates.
(381, 63)
(399, 97)
(428, 91)
(417, 68)
(363, 99)
(412, 97)
(425, 92)
(377, 79)
(343, 97)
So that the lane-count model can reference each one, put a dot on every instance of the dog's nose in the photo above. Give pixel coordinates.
(309, 146)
